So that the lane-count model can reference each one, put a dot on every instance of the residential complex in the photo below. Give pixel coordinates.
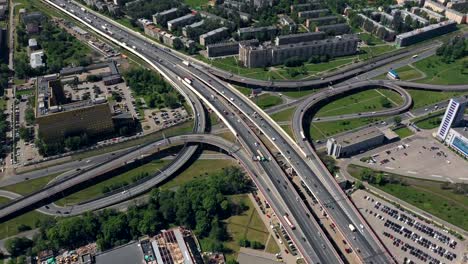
(260, 56)
(425, 33)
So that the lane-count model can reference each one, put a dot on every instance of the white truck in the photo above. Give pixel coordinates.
(351, 227)
(187, 63)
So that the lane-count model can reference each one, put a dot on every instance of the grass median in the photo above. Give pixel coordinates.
(30, 186)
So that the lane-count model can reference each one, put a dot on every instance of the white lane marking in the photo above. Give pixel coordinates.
(450, 180)
(436, 176)
(389, 168)
(463, 179)
(412, 172)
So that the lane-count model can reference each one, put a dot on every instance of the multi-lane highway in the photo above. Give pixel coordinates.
(312, 249)
(239, 113)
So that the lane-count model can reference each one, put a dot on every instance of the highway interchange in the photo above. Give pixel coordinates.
(245, 119)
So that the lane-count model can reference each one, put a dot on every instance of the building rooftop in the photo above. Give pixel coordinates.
(180, 19)
(358, 136)
(32, 42)
(462, 130)
(255, 29)
(196, 24)
(36, 59)
(301, 35)
(165, 12)
(213, 32)
(79, 30)
(130, 253)
(315, 42)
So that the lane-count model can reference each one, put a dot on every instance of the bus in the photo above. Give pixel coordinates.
(290, 224)
(393, 75)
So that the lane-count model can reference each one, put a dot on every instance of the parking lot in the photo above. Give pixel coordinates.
(421, 157)
(408, 237)
(168, 117)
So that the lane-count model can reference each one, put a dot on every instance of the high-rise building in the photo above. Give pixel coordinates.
(452, 117)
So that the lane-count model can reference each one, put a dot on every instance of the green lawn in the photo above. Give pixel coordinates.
(2, 104)
(429, 121)
(196, 3)
(244, 90)
(365, 101)
(285, 115)
(29, 186)
(403, 132)
(267, 100)
(231, 64)
(272, 246)
(407, 73)
(426, 195)
(299, 94)
(96, 190)
(247, 225)
(423, 98)
(439, 72)
(321, 130)
(10, 227)
(373, 40)
(199, 168)
(288, 130)
(374, 51)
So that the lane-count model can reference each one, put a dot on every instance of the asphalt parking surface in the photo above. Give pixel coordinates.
(423, 158)
(407, 237)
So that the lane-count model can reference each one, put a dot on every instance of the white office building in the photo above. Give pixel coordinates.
(452, 117)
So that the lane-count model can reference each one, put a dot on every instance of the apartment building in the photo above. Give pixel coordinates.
(256, 32)
(213, 36)
(176, 23)
(263, 55)
(424, 33)
(296, 38)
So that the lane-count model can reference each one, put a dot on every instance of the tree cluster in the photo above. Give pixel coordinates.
(454, 49)
(61, 49)
(199, 205)
(69, 143)
(149, 84)
(4, 74)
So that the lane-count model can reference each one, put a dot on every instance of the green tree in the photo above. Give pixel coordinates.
(384, 102)
(397, 119)
(18, 246)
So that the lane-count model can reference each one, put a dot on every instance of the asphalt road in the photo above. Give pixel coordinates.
(329, 193)
(370, 249)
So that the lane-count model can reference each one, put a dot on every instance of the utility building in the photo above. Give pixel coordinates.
(353, 143)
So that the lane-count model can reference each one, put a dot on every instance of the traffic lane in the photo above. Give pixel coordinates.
(293, 205)
(301, 170)
(248, 139)
(395, 65)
